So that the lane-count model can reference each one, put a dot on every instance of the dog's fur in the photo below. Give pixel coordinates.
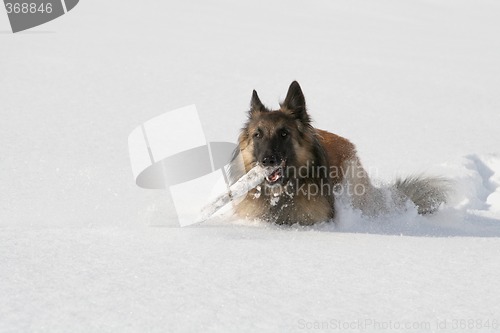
(313, 165)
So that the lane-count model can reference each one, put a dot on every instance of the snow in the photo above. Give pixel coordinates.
(413, 84)
(229, 277)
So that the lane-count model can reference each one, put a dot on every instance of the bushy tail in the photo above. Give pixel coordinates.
(427, 193)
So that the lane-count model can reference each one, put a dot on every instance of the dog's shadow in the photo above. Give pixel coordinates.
(448, 223)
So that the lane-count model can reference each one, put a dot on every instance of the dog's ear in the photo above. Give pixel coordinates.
(255, 104)
(295, 103)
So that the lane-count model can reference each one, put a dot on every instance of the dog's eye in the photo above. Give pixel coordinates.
(284, 133)
(257, 134)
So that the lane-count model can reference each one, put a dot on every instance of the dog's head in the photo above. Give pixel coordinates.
(282, 137)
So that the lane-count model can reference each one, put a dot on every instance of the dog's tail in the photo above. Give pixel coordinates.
(427, 193)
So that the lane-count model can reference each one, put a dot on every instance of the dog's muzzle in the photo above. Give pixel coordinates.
(277, 175)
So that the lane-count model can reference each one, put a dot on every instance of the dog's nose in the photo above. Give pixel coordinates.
(269, 160)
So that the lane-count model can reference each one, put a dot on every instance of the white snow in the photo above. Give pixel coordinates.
(413, 84)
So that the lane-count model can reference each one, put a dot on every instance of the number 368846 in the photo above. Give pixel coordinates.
(28, 8)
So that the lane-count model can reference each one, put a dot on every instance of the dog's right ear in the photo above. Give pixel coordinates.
(255, 104)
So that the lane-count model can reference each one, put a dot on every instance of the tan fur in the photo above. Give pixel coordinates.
(338, 149)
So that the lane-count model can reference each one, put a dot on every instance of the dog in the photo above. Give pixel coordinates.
(313, 167)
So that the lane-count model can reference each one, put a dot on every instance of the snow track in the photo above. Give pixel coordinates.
(477, 183)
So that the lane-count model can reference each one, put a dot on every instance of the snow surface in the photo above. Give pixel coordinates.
(413, 84)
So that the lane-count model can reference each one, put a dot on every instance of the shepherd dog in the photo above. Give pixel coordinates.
(313, 168)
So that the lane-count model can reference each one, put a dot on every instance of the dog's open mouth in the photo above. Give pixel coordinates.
(277, 175)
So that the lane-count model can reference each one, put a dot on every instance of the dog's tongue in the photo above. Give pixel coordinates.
(274, 176)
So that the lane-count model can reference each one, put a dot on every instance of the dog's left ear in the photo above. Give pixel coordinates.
(295, 103)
